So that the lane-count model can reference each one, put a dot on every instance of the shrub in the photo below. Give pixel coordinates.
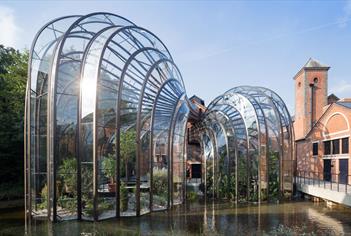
(160, 182)
(191, 196)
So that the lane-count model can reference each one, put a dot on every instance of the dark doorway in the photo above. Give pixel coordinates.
(327, 170)
(344, 170)
(196, 171)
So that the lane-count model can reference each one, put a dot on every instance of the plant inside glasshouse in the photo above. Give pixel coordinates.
(273, 175)
(44, 198)
(177, 187)
(210, 178)
(109, 169)
(160, 186)
(128, 153)
(124, 198)
(67, 184)
(68, 175)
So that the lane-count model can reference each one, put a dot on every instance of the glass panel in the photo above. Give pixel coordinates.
(178, 153)
(209, 158)
(345, 145)
(336, 146)
(38, 88)
(165, 106)
(327, 147)
(67, 96)
(315, 149)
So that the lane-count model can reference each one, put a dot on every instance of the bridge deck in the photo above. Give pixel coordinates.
(335, 192)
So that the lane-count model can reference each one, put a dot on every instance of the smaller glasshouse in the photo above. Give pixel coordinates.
(109, 126)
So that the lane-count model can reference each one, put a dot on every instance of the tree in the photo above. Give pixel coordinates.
(13, 77)
(128, 151)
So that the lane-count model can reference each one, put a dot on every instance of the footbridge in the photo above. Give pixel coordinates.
(331, 190)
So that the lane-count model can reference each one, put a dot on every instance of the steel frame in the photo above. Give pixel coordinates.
(93, 78)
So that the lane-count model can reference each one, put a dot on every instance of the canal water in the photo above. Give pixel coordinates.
(291, 218)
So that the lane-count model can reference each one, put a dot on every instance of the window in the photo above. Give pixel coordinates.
(345, 145)
(315, 149)
(327, 148)
(336, 146)
(315, 81)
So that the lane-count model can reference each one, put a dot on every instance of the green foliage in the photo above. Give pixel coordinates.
(103, 205)
(273, 175)
(13, 77)
(68, 174)
(222, 185)
(160, 182)
(68, 203)
(191, 196)
(109, 167)
(124, 196)
(209, 179)
(87, 179)
(127, 151)
(127, 144)
(44, 197)
(160, 186)
(144, 200)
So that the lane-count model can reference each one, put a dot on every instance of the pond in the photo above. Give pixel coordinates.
(201, 218)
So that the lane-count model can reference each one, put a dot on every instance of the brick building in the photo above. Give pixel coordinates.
(322, 126)
(194, 154)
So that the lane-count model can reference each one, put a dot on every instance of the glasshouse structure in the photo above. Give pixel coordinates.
(108, 123)
(246, 138)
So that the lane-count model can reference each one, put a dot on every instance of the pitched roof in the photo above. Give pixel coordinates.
(332, 98)
(332, 95)
(313, 63)
(345, 104)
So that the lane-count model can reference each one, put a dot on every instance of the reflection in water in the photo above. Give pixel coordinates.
(198, 218)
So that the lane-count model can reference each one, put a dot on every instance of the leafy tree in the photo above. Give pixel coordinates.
(13, 77)
(109, 167)
(128, 152)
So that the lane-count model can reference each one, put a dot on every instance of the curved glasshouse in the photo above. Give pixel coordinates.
(247, 136)
(108, 122)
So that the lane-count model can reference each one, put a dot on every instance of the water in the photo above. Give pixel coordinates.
(200, 218)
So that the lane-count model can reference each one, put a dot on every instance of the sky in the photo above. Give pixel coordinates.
(218, 45)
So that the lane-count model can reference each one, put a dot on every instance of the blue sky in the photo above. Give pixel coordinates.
(219, 44)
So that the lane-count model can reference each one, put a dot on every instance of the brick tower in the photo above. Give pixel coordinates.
(311, 95)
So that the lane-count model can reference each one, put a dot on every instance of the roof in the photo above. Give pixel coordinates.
(197, 99)
(345, 103)
(333, 96)
(312, 64)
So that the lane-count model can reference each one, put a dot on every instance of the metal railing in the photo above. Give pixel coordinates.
(325, 180)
